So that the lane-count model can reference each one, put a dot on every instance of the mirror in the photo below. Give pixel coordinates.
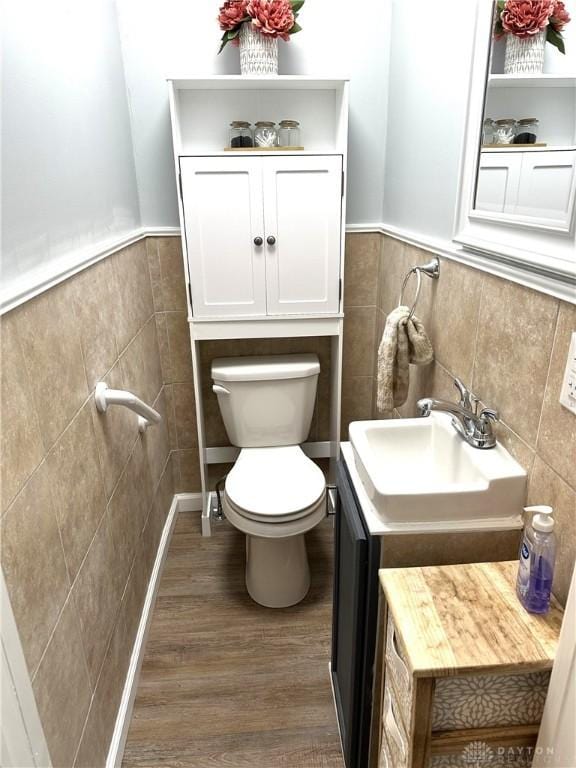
(526, 166)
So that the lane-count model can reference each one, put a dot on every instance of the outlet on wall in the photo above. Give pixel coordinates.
(568, 394)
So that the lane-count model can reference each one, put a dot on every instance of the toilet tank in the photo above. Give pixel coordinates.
(266, 401)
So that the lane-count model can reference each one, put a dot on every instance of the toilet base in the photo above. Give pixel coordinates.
(277, 570)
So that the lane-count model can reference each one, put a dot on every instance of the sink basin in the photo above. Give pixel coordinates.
(422, 471)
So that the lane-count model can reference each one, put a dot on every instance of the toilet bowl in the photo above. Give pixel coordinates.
(274, 493)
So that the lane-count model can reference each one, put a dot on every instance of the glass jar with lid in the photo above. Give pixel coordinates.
(488, 131)
(526, 131)
(504, 130)
(265, 134)
(240, 134)
(289, 133)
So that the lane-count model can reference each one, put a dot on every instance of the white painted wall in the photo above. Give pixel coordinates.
(428, 92)
(179, 38)
(68, 174)
(430, 59)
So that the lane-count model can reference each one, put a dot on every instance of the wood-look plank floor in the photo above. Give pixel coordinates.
(226, 683)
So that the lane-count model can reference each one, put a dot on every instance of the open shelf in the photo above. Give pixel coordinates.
(527, 148)
(532, 81)
(204, 107)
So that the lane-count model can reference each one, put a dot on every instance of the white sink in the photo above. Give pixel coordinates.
(422, 471)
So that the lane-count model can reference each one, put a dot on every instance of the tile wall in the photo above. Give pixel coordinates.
(84, 496)
(507, 343)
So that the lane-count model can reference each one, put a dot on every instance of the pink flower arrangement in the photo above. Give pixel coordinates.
(526, 18)
(232, 13)
(559, 17)
(272, 18)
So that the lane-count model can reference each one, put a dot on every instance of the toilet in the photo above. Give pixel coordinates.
(274, 493)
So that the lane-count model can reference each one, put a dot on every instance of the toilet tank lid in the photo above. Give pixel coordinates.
(265, 367)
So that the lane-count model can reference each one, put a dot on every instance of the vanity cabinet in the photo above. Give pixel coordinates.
(536, 184)
(363, 545)
(465, 667)
(263, 234)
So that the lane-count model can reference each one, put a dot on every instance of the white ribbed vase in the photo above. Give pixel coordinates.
(258, 53)
(524, 55)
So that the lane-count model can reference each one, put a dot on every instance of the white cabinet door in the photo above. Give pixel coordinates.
(302, 211)
(498, 179)
(547, 183)
(223, 214)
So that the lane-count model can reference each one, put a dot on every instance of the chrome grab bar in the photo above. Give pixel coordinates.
(105, 397)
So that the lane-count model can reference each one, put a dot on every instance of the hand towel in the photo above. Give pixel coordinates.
(404, 342)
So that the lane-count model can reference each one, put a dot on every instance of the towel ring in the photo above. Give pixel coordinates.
(413, 271)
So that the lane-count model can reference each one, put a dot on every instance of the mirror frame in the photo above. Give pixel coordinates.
(543, 258)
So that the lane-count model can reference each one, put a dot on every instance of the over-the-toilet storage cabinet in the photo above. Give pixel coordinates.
(262, 232)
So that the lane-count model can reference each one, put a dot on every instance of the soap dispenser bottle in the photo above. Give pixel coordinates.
(537, 557)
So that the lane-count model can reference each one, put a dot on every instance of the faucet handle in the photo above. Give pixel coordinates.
(468, 400)
(488, 413)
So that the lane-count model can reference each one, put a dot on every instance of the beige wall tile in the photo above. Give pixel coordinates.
(104, 708)
(359, 341)
(91, 752)
(34, 565)
(514, 345)
(361, 266)
(171, 290)
(453, 325)
(157, 517)
(174, 340)
(427, 381)
(128, 509)
(546, 487)
(167, 273)
(116, 432)
(163, 346)
(156, 442)
(449, 548)
(520, 450)
(356, 401)
(170, 415)
(557, 434)
(188, 471)
(96, 298)
(50, 342)
(62, 689)
(394, 263)
(141, 368)
(133, 281)
(185, 414)
(97, 597)
(154, 269)
(77, 487)
(21, 444)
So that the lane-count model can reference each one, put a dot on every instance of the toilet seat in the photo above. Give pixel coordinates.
(274, 485)
(275, 492)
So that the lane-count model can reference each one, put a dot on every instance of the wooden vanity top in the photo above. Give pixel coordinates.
(467, 618)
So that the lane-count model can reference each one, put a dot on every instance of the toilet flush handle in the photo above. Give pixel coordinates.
(220, 390)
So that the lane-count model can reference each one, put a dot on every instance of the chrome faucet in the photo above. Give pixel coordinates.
(475, 428)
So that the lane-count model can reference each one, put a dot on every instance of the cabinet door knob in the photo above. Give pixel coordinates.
(270, 239)
(258, 241)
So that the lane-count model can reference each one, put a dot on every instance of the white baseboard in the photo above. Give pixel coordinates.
(181, 502)
(189, 502)
(116, 750)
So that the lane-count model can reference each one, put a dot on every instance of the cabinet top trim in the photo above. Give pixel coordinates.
(459, 619)
(271, 82)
